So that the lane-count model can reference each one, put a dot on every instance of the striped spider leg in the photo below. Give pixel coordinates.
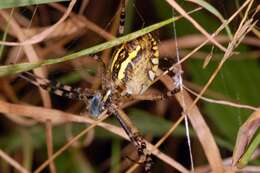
(58, 88)
(97, 103)
(175, 77)
(135, 136)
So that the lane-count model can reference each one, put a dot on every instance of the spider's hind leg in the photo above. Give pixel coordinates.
(135, 137)
(175, 77)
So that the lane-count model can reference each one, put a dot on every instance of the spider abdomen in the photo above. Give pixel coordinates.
(135, 64)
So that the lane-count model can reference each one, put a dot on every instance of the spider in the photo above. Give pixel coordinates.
(132, 70)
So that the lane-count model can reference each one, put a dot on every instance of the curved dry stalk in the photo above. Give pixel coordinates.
(67, 145)
(239, 35)
(58, 117)
(205, 42)
(200, 126)
(86, 23)
(178, 8)
(167, 47)
(41, 36)
(222, 102)
(12, 162)
(165, 136)
(228, 165)
(245, 135)
(193, 112)
(49, 142)
(30, 53)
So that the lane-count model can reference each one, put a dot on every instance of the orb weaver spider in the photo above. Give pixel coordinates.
(132, 70)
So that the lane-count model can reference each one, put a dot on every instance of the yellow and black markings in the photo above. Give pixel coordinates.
(134, 64)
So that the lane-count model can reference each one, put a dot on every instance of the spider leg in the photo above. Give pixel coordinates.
(156, 96)
(121, 27)
(100, 62)
(177, 82)
(135, 137)
(176, 78)
(57, 88)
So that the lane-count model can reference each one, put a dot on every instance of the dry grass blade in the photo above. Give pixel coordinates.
(167, 47)
(195, 117)
(66, 28)
(67, 145)
(167, 159)
(84, 22)
(222, 102)
(238, 37)
(30, 53)
(203, 31)
(49, 143)
(207, 40)
(200, 126)
(12, 162)
(84, 86)
(227, 162)
(245, 134)
(75, 24)
(41, 36)
(194, 114)
(204, 134)
(59, 117)
(216, 165)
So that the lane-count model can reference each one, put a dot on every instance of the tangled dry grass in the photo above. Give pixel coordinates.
(32, 42)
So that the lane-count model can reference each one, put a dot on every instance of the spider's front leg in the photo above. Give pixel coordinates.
(135, 137)
(58, 88)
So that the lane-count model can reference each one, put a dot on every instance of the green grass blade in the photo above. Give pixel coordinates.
(16, 68)
(249, 152)
(115, 156)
